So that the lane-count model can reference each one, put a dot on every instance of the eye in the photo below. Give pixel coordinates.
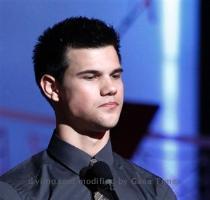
(90, 77)
(116, 75)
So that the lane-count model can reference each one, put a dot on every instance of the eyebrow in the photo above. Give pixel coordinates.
(118, 70)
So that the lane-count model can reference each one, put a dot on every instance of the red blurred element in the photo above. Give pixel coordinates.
(28, 117)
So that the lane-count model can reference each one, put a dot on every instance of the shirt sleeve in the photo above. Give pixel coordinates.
(7, 192)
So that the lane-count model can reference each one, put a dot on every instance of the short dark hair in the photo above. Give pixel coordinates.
(75, 32)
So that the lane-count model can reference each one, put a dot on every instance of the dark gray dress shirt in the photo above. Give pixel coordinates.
(54, 174)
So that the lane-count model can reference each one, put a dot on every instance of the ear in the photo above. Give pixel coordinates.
(50, 87)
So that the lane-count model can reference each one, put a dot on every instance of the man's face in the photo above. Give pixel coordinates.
(91, 96)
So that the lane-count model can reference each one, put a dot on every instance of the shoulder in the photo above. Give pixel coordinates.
(134, 170)
(18, 178)
(7, 192)
(25, 169)
(132, 167)
(145, 180)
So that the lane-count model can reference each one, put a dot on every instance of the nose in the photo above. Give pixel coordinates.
(108, 88)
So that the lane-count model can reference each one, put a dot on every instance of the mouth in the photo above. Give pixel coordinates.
(110, 105)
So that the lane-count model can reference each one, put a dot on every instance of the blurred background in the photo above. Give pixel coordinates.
(165, 121)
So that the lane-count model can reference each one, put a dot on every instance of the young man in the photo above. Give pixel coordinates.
(77, 68)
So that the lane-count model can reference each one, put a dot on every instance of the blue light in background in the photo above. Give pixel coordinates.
(170, 32)
(175, 161)
(173, 165)
(170, 68)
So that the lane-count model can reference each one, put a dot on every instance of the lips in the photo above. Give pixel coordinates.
(109, 105)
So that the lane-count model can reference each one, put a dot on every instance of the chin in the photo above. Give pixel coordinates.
(110, 124)
(103, 126)
(104, 123)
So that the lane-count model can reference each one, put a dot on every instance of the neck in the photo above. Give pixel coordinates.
(88, 144)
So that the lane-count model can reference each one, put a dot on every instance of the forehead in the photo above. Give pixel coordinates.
(102, 58)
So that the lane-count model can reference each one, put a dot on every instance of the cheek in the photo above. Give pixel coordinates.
(121, 90)
(81, 98)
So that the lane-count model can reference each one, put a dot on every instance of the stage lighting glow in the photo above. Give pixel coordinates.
(170, 82)
(170, 69)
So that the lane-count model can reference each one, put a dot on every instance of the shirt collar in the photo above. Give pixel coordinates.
(74, 158)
